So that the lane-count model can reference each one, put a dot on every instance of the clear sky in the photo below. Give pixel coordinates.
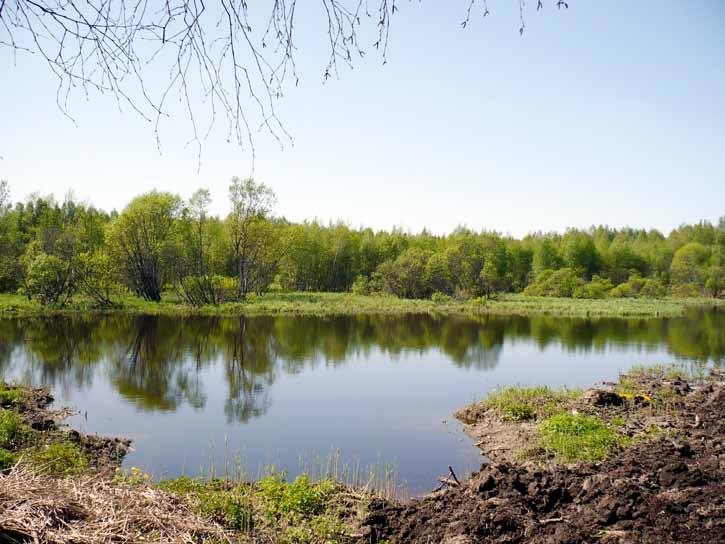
(605, 113)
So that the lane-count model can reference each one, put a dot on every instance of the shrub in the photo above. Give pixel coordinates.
(440, 298)
(99, 279)
(555, 283)
(361, 286)
(638, 287)
(50, 280)
(203, 290)
(597, 288)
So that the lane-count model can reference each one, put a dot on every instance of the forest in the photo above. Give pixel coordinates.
(161, 243)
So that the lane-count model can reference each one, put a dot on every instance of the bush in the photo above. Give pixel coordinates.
(637, 287)
(361, 286)
(555, 283)
(203, 290)
(597, 288)
(99, 279)
(50, 280)
(440, 298)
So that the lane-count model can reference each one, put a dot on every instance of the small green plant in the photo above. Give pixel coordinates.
(63, 459)
(7, 459)
(9, 396)
(518, 403)
(132, 477)
(216, 499)
(440, 298)
(299, 497)
(576, 437)
(12, 428)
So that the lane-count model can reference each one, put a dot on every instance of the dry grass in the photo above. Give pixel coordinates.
(92, 509)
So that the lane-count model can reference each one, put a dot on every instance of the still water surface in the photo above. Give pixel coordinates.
(197, 392)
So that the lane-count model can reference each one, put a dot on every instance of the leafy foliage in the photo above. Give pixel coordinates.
(160, 242)
(50, 280)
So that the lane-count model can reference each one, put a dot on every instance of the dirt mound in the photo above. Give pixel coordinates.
(668, 489)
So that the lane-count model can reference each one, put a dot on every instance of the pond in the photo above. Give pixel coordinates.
(201, 394)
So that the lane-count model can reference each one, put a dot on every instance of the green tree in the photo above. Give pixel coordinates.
(254, 238)
(50, 280)
(142, 242)
(715, 283)
(689, 265)
(98, 278)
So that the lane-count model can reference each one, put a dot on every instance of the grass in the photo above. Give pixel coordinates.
(7, 459)
(527, 403)
(13, 429)
(576, 437)
(9, 396)
(304, 303)
(60, 460)
(300, 511)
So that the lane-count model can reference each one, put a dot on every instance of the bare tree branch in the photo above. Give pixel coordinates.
(221, 60)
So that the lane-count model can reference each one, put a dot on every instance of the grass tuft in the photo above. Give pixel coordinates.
(518, 403)
(9, 396)
(576, 437)
(12, 429)
(7, 459)
(61, 460)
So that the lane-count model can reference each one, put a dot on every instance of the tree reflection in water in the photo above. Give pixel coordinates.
(157, 362)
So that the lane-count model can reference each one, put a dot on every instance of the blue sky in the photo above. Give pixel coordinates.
(605, 113)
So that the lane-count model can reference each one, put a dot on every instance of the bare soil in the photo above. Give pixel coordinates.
(668, 487)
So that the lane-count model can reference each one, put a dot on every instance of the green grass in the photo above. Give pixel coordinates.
(578, 437)
(63, 459)
(526, 403)
(7, 459)
(303, 303)
(296, 512)
(9, 396)
(13, 430)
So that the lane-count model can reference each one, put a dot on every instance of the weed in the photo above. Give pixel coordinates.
(132, 477)
(63, 459)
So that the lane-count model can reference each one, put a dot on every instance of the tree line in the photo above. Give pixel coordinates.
(51, 251)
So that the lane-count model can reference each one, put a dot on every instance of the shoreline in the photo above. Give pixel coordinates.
(341, 304)
(520, 494)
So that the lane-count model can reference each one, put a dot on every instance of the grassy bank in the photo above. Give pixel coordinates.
(543, 424)
(350, 304)
(59, 486)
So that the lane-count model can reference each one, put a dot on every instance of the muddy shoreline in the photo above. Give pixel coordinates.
(667, 486)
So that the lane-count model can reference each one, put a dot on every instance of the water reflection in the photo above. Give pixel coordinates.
(157, 362)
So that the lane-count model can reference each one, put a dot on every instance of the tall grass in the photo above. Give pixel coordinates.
(350, 304)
